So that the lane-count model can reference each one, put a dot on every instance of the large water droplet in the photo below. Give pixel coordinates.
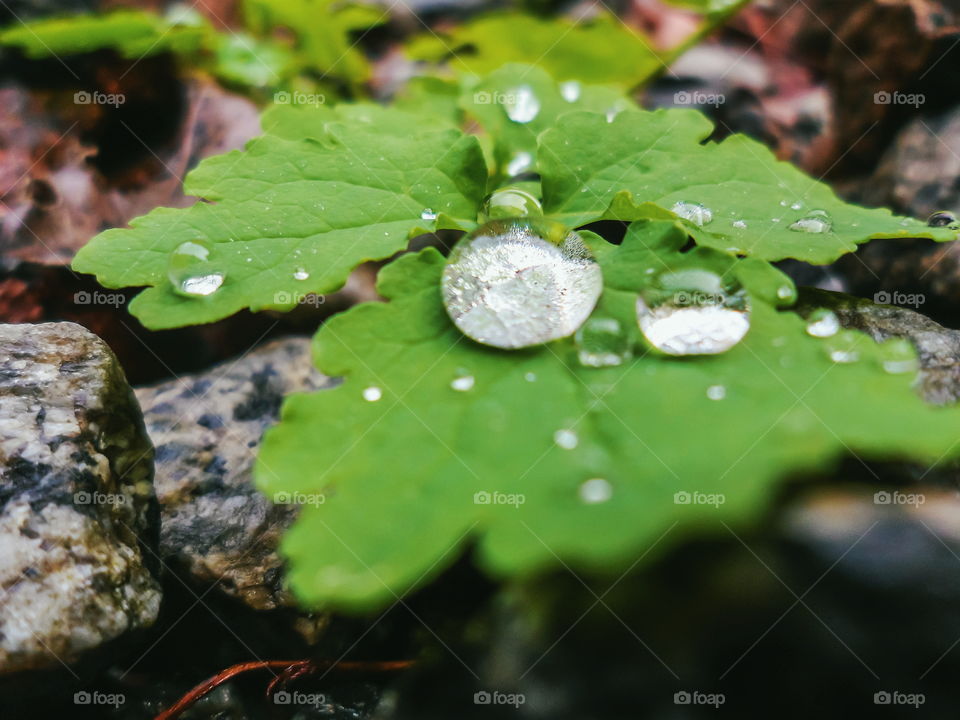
(816, 221)
(595, 490)
(693, 312)
(823, 323)
(190, 271)
(898, 356)
(510, 203)
(521, 104)
(601, 342)
(518, 283)
(943, 218)
(694, 212)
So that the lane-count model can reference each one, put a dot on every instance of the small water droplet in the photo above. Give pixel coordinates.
(428, 214)
(570, 91)
(942, 218)
(843, 346)
(372, 393)
(530, 377)
(566, 439)
(816, 221)
(783, 203)
(898, 356)
(518, 283)
(716, 392)
(796, 206)
(301, 274)
(693, 312)
(595, 490)
(520, 163)
(462, 383)
(786, 292)
(522, 105)
(601, 342)
(823, 323)
(696, 213)
(739, 224)
(191, 272)
(510, 203)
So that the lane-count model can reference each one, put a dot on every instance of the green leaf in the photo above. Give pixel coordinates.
(592, 169)
(321, 205)
(390, 490)
(598, 50)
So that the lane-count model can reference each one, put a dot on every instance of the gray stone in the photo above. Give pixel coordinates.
(77, 509)
(216, 527)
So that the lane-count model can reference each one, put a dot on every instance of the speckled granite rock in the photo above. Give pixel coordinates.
(207, 430)
(76, 502)
(938, 347)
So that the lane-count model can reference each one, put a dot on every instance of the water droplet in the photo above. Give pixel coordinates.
(518, 283)
(521, 105)
(898, 356)
(716, 392)
(942, 218)
(816, 221)
(530, 377)
(783, 203)
(823, 323)
(693, 312)
(567, 439)
(190, 271)
(739, 224)
(570, 91)
(462, 383)
(696, 213)
(372, 393)
(601, 342)
(787, 292)
(595, 490)
(301, 274)
(842, 347)
(796, 206)
(510, 203)
(519, 163)
(428, 214)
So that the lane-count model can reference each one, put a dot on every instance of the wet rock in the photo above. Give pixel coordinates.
(77, 512)
(216, 527)
(938, 347)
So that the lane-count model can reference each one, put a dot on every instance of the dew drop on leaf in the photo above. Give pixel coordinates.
(823, 323)
(942, 219)
(716, 392)
(570, 91)
(530, 377)
(898, 356)
(601, 342)
(428, 214)
(519, 163)
(693, 312)
(816, 221)
(190, 271)
(301, 274)
(739, 224)
(522, 105)
(462, 383)
(518, 283)
(372, 393)
(696, 213)
(510, 203)
(595, 490)
(842, 347)
(566, 439)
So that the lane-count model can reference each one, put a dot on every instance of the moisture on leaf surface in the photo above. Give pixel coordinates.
(538, 458)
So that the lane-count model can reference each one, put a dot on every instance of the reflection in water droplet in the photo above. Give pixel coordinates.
(570, 91)
(190, 271)
(567, 439)
(601, 342)
(521, 105)
(842, 347)
(372, 393)
(693, 312)
(823, 323)
(519, 163)
(898, 356)
(595, 490)
(510, 203)
(716, 392)
(301, 274)
(518, 283)
(428, 214)
(816, 221)
(694, 212)
(942, 218)
(462, 383)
